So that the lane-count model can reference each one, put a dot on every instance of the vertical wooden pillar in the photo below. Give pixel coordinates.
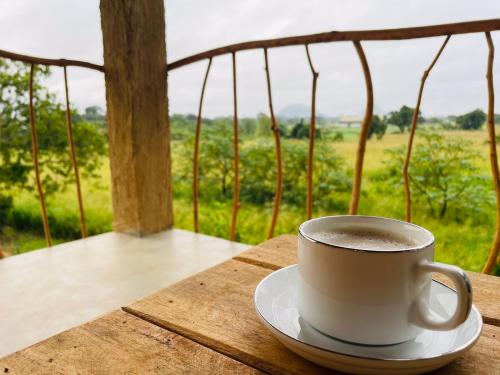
(137, 111)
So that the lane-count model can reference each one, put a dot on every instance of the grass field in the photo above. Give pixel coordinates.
(462, 243)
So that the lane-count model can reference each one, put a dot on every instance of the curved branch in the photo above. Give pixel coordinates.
(312, 132)
(197, 152)
(34, 150)
(279, 170)
(413, 128)
(363, 135)
(43, 61)
(72, 154)
(495, 247)
(236, 162)
(353, 36)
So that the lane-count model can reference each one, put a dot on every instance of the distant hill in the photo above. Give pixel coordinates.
(297, 111)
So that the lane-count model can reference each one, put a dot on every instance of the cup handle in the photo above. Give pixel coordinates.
(420, 310)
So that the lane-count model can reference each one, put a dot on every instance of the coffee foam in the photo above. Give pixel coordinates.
(365, 239)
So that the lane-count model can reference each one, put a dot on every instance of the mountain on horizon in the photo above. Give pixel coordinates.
(297, 111)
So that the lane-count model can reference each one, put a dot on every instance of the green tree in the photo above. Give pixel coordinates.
(443, 176)
(15, 134)
(300, 130)
(263, 127)
(330, 183)
(402, 118)
(247, 126)
(215, 159)
(472, 120)
(378, 127)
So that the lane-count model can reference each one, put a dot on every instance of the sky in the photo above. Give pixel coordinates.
(71, 29)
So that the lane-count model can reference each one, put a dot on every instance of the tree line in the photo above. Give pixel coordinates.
(402, 119)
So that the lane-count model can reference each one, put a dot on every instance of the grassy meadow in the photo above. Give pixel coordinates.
(461, 240)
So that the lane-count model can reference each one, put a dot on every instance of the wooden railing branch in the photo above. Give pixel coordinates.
(197, 151)
(236, 160)
(34, 150)
(312, 133)
(495, 173)
(354, 36)
(363, 135)
(44, 61)
(413, 128)
(279, 169)
(72, 154)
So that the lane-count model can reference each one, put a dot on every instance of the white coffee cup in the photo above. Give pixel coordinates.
(372, 297)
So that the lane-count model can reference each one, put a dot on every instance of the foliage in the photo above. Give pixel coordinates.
(472, 120)
(338, 137)
(257, 168)
(378, 127)
(444, 176)
(331, 177)
(459, 238)
(5, 209)
(16, 164)
(402, 117)
(300, 130)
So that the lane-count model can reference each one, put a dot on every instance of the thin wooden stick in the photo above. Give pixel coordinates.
(495, 247)
(236, 160)
(72, 154)
(43, 61)
(353, 36)
(279, 169)
(363, 135)
(1, 252)
(413, 128)
(197, 152)
(312, 133)
(34, 150)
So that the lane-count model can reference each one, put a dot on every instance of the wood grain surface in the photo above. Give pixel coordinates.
(133, 34)
(119, 343)
(207, 324)
(482, 359)
(281, 251)
(215, 308)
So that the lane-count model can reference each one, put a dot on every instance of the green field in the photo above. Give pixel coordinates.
(462, 240)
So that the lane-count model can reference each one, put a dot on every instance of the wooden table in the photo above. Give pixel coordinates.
(207, 324)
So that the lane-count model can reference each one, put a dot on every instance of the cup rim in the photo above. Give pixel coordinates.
(415, 248)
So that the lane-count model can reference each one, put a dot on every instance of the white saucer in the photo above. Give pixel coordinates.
(276, 305)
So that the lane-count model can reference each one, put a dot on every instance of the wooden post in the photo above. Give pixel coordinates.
(137, 111)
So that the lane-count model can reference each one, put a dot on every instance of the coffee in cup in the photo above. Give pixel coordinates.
(367, 279)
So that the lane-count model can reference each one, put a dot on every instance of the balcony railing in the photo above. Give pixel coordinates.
(357, 38)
